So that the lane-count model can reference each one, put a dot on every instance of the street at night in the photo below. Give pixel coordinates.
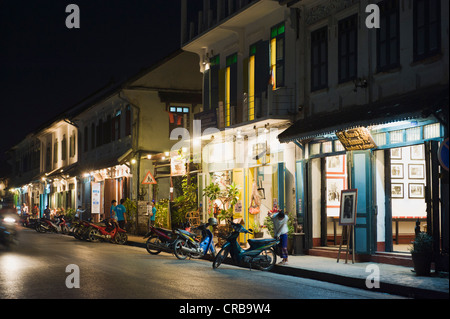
(36, 268)
(277, 151)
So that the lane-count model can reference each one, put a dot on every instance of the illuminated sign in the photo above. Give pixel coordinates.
(356, 139)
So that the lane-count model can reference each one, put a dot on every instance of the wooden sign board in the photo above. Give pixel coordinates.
(356, 139)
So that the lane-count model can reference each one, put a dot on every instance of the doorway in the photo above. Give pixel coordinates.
(406, 183)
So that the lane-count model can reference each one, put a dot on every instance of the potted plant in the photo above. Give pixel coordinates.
(422, 253)
(257, 230)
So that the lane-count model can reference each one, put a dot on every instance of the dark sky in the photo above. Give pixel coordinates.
(45, 67)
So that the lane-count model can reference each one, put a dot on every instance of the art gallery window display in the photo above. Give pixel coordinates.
(408, 182)
(392, 176)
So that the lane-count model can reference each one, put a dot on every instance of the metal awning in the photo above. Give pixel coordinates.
(400, 108)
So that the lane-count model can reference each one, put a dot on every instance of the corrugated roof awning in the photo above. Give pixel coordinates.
(405, 107)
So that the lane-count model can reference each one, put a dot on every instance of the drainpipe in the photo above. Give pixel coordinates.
(135, 147)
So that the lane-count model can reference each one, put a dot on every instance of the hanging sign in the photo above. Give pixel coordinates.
(149, 179)
(95, 202)
(356, 139)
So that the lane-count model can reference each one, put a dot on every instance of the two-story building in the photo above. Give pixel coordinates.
(247, 50)
(375, 110)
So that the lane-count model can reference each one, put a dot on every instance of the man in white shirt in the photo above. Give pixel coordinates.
(280, 223)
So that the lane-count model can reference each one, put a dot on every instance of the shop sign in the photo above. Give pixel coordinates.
(95, 198)
(356, 139)
(178, 166)
(443, 154)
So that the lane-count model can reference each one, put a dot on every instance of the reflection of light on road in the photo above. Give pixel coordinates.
(12, 270)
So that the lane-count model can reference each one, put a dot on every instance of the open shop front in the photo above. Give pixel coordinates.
(255, 165)
(397, 177)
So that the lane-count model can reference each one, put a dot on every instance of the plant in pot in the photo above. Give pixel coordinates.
(422, 253)
(257, 230)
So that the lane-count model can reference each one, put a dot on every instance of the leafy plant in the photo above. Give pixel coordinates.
(161, 213)
(228, 198)
(423, 243)
(185, 203)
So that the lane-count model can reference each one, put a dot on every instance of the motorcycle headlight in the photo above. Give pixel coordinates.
(9, 220)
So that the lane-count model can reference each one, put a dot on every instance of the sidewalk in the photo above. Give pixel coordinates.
(394, 279)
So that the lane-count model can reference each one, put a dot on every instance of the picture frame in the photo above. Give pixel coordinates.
(347, 213)
(396, 153)
(397, 171)
(417, 152)
(335, 164)
(416, 171)
(416, 190)
(335, 184)
(397, 190)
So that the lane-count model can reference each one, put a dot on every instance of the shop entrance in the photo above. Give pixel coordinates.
(406, 174)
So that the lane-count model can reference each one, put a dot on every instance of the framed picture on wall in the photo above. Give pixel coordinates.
(416, 190)
(416, 171)
(335, 164)
(397, 190)
(396, 153)
(347, 213)
(397, 170)
(417, 152)
(335, 185)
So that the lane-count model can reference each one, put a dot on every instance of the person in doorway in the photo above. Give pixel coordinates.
(112, 211)
(280, 223)
(121, 214)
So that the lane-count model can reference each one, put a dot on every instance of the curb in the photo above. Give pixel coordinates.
(389, 288)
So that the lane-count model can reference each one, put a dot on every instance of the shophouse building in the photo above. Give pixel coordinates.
(247, 52)
(125, 129)
(374, 114)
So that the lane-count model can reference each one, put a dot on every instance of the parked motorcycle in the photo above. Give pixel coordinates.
(160, 239)
(107, 230)
(260, 254)
(58, 226)
(80, 229)
(8, 229)
(188, 244)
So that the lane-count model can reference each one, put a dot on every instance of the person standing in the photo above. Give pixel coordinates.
(47, 213)
(112, 211)
(280, 223)
(121, 214)
(153, 213)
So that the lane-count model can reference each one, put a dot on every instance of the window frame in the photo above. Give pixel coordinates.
(387, 9)
(322, 61)
(344, 30)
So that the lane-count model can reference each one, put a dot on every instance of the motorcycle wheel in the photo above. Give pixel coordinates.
(121, 238)
(268, 258)
(151, 243)
(93, 235)
(179, 253)
(220, 257)
(40, 229)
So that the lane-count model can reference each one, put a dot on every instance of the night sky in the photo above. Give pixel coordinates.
(45, 68)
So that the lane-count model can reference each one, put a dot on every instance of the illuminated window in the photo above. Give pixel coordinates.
(230, 87)
(277, 56)
(251, 83)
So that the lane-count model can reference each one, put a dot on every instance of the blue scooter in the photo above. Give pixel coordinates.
(261, 252)
(188, 245)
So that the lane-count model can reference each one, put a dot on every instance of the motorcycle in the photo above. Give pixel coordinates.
(107, 230)
(160, 239)
(58, 226)
(8, 229)
(80, 229)
(261, 252)
(188, 245)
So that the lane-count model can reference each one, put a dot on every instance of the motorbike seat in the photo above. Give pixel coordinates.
(256, 242)
(187, 233)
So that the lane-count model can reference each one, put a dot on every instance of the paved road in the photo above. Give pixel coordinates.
(37, 269)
